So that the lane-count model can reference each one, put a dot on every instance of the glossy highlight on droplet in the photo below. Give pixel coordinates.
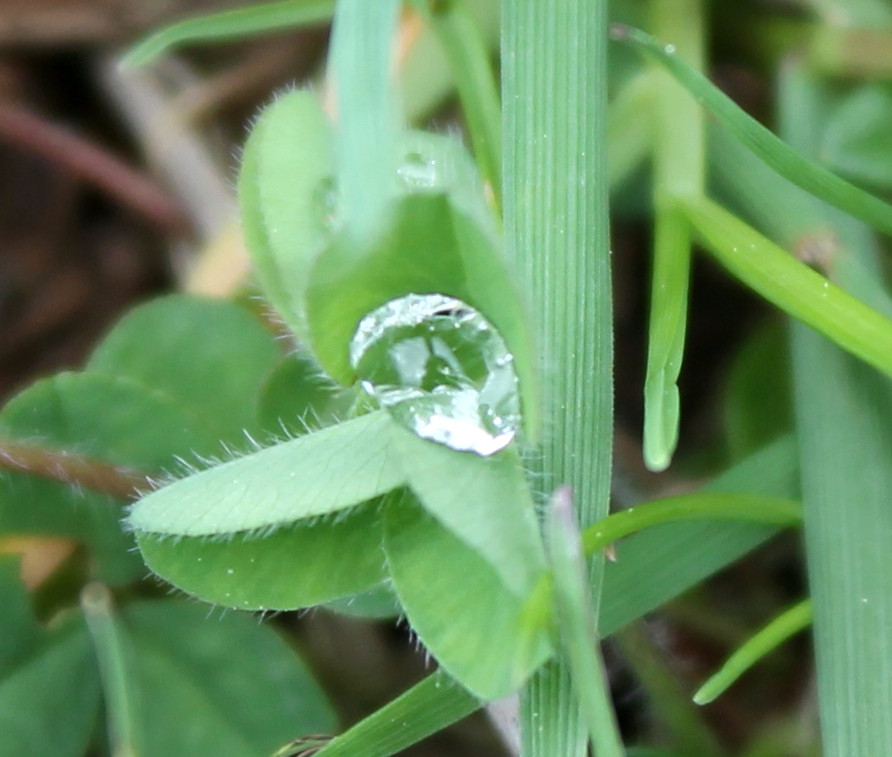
(441, 370)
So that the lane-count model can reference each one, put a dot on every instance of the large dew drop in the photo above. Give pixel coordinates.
(441, 369)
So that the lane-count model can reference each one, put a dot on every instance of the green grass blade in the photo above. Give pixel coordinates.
(793, 286)
(426, 708)
(554, 100)
(469, 59)
(784, 626)
(218, 27)
(577, 626)
(366, 121)
(780, 156)
(678, 173)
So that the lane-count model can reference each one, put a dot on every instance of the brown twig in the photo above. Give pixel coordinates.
(91, 163)
(72, 469)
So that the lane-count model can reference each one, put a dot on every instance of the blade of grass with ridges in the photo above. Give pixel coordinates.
(678, 174)
(265, 18)
(776, 153)
(554, 99)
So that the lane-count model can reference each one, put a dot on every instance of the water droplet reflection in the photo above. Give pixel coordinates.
(441, 369)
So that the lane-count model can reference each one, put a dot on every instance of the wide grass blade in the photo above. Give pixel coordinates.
(554, 95)
(260, 18)
(780, 156)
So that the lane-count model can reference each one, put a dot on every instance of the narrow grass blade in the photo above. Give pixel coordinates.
(241, 22)
(577, 626)
(554, 95)
(109, 641)
(366, 119)
(783, 627)
(793, 286)
(782, 158)
(678, 173)
(469, 59)
(424, 709)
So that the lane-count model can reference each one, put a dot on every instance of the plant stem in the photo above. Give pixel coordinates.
(72, 469)
(556, 225)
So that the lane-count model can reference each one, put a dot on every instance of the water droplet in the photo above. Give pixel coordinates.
(669, 49)
(418, 172)
(229, 571)
(441, 369)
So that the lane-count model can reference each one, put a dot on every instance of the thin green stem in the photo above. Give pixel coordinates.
(109, 641)
(469, 59)
(780, 629)
(577, 626)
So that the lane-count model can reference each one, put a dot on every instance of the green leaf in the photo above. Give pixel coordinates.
(426, 708)
(210, 355)
(782, 158)
(19, 631)
(285, 191)
(49, 703)
(430, 246)
(316, 474)
(226, 686)
(233, 24)
(112, 419)
(299, 565)
(793, 286)
(457, 604)
(484, 501)
(297, 397)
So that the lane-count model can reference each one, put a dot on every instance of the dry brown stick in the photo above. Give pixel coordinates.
(91, 163)
(72, 469)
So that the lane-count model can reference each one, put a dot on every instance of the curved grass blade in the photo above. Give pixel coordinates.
(770, 148)
(240, 22)
(784, 626)
(428, 707)
(791, 285)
